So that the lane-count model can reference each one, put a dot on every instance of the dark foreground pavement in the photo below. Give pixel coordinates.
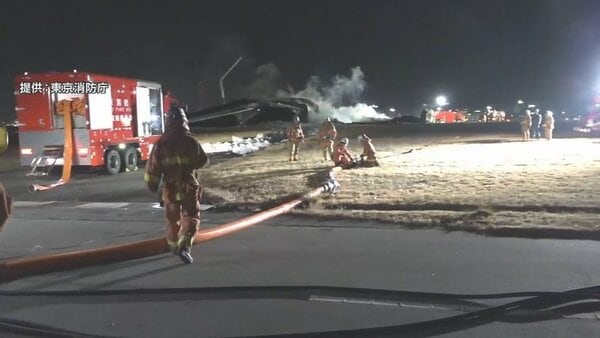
(97, 210)
(285, 251)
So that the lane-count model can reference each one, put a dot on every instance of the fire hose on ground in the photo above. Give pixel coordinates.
(11, 270)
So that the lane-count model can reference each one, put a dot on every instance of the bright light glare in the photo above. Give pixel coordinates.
(535, 156)
(392, 110)
(121, 145)
(441, 101)
(520, 102)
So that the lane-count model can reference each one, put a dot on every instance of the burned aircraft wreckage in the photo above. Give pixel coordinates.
(249, 112)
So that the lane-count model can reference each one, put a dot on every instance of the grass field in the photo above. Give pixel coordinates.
(470, 181)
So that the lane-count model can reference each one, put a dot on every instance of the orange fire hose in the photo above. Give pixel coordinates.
(18, 268)
(76, 106)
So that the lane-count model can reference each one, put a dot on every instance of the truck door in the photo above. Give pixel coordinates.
(149, 111)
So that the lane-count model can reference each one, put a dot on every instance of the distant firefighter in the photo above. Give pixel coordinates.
(341, 155)
(174, 159)
(548, 125)
(295, 137)
(368, 154)
(526, 124)
(327, 135)
(5, 206)
(536, 123)
(430, 116)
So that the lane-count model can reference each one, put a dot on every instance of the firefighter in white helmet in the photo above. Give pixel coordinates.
(548, 125)
(341, 155)
(367, 157)
(295, 137)
(526, 125)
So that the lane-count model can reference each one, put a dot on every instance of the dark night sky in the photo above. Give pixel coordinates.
(475, 52)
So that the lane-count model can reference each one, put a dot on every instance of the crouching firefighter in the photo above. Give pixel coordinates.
(174, 159)
(341, 155)
(368, 158)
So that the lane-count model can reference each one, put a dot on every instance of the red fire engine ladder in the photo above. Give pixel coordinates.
(45, 160)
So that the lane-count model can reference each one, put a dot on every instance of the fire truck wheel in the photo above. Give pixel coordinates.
(112, 161)
(130, 159)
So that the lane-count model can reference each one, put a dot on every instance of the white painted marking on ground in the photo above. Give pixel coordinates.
(202, 206)
(31, 203)
(103, 205)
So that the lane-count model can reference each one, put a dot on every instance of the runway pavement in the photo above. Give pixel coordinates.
(96, 210)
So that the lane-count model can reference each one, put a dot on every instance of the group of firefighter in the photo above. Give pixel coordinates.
(333, 150)
(531, 124)
(177, 155)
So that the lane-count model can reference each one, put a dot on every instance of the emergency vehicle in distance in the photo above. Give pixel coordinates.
(449, 116)
(590, 123)
(119, 120)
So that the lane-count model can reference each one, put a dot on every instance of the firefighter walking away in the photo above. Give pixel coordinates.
(174, 159)
(327, 135)
(295, 137)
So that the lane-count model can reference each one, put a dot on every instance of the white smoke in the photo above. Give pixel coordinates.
(340, 99)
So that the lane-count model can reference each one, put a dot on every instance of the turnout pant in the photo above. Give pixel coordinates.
(327, 147)
(536, 133)
(183, 217)
(294, 147)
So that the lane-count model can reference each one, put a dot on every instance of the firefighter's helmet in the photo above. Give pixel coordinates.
(176, 119)
(344, 140)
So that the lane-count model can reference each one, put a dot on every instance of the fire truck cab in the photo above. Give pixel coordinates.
(119, 119)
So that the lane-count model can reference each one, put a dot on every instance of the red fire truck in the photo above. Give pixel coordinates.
(449, 116)
(118, 122)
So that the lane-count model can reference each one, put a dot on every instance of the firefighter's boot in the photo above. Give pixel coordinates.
(173, 247)
(185, 249)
